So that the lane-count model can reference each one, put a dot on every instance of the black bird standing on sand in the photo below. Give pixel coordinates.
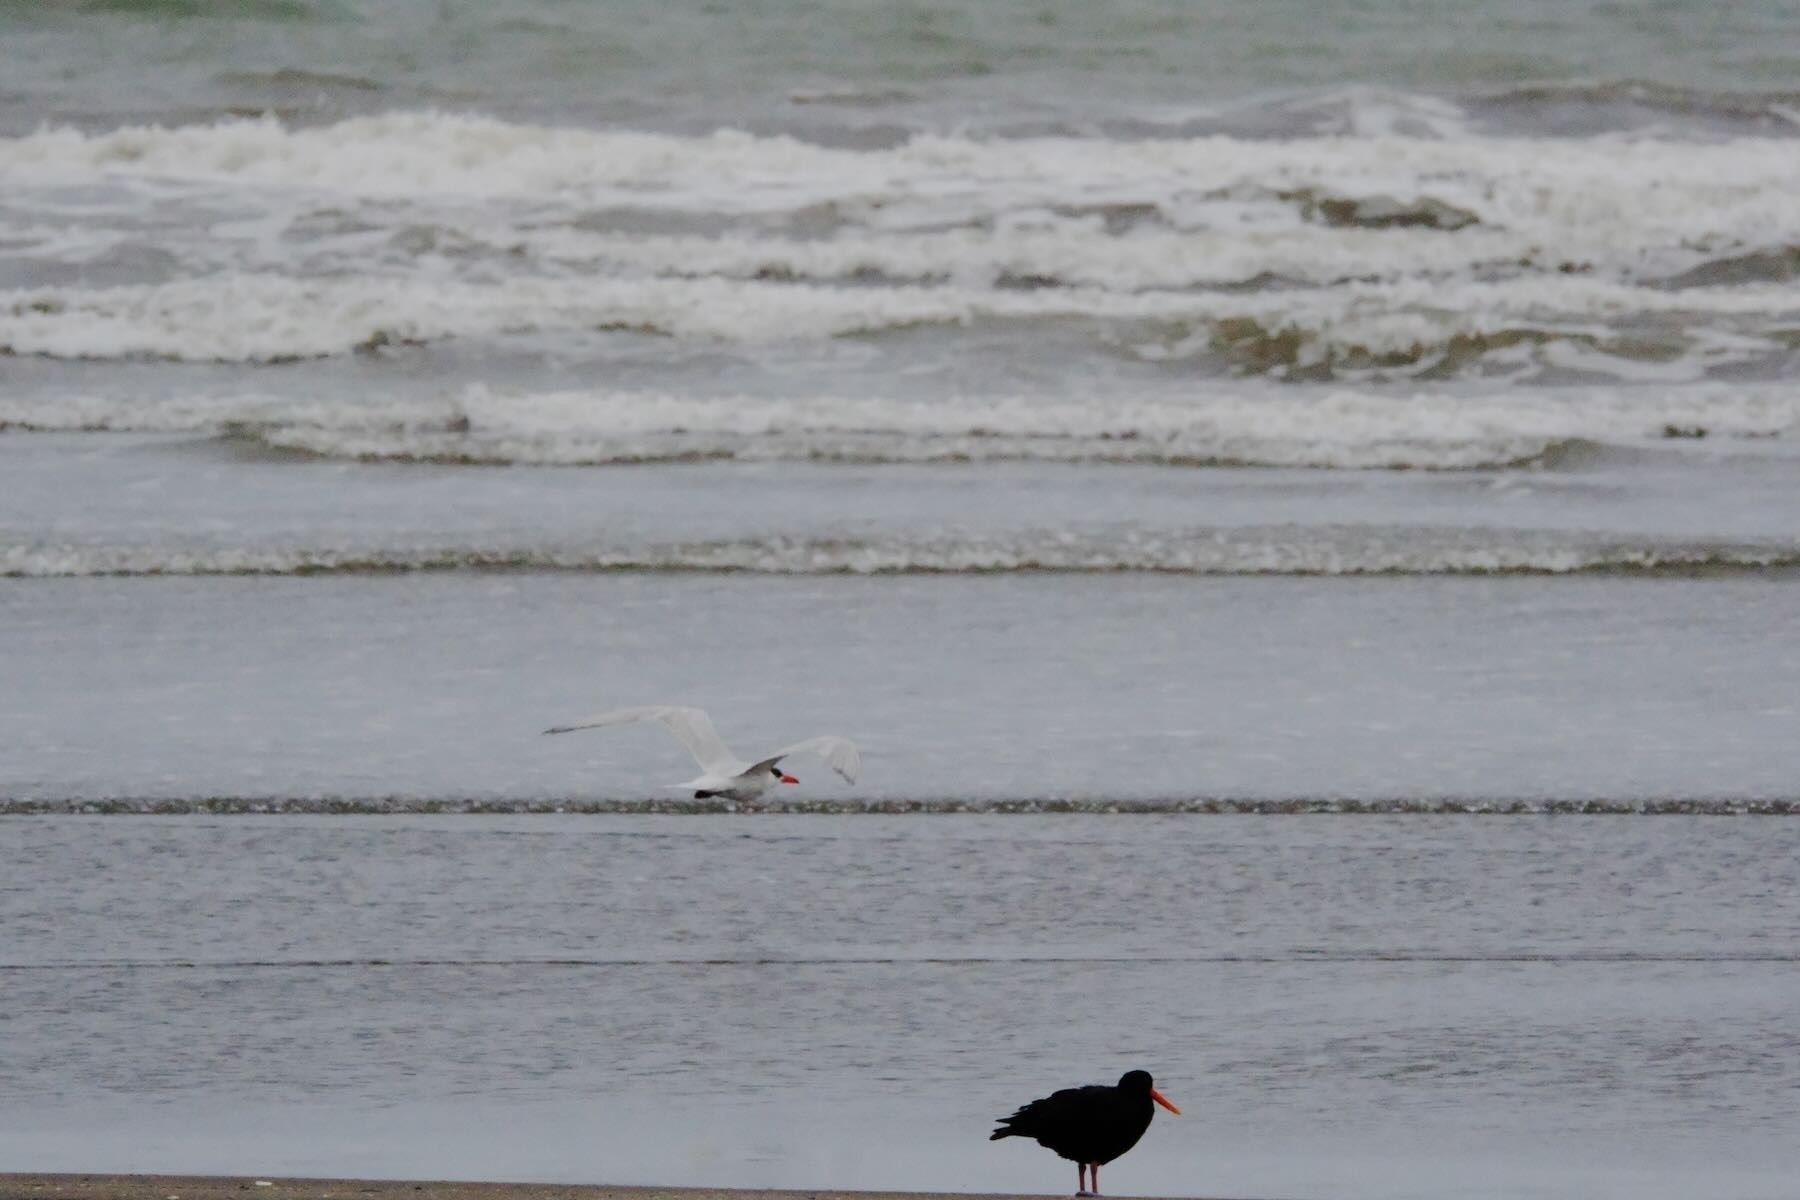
(1089, 1125)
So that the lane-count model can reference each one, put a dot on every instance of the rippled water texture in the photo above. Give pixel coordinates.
(1354, 1006)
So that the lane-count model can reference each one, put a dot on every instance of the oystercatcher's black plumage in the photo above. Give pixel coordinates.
(1089, 1125)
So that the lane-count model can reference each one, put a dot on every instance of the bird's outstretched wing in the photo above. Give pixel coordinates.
(840, 752)
(690, 725)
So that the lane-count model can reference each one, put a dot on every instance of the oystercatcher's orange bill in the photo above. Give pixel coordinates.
(1164, 1101)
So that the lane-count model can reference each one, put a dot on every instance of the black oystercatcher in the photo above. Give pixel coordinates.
(1089, 1125)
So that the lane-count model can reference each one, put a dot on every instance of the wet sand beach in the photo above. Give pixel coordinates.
(1369, 1008)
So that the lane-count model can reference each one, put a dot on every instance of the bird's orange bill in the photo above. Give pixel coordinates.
(1164, 1101)
(789, 779)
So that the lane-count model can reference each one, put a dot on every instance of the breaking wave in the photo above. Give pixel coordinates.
(1301, 551)
(1411, 327)
(1309, 258)
(1226, 425)
(425, 154)
(1769, 113)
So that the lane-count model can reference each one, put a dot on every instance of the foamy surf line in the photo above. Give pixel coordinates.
(1415, 323)
(424, 153)
(1286, 552)
(1316, 254)
(1240, 424)
(239, 805)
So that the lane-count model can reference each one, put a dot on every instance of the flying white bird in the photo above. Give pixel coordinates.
(723, 773)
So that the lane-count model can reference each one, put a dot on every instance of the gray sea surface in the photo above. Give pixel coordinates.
(843, 66)
(814, 289)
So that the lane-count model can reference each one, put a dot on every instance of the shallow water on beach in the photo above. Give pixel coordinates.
(430, 691)
(1349, 1006)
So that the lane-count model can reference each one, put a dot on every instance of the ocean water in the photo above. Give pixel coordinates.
(1323, 291)
(1183, 414)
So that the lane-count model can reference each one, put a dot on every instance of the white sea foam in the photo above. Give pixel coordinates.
(1250, 425)
(424, 154)
(1065, 252)
(246, 241)
(238, 317)
(1605, 204)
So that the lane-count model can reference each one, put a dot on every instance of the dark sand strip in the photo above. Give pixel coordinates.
(254, 1187)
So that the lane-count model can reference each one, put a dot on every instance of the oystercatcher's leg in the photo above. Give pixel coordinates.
(1081, 1180)
(1094, 1177)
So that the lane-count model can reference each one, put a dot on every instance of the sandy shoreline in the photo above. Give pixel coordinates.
(251, 1187)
